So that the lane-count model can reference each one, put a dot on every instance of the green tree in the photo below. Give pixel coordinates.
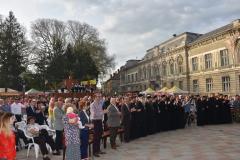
(87, 38)
(84, 67)
(49, 45)
(13, 52)
(72, 48)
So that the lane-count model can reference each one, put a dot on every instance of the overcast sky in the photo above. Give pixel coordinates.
(130, 26)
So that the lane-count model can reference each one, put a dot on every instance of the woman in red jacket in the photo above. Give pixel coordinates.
(7, 137)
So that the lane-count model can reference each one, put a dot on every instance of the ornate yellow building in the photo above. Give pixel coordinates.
(200, 64)
(214, 61)
(163, 65)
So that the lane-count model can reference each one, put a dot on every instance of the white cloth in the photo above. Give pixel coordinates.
(16, 108)
(35, 127)
(80, 124)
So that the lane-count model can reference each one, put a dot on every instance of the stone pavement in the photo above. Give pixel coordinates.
(214, 142)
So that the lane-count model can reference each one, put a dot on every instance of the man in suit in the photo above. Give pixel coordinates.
(31, 109)
(105, 105)
(126, 118)
(113, 121)
(58, 123)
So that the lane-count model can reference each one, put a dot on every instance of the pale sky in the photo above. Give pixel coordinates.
(130, 27)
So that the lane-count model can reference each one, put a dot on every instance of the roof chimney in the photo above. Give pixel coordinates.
(174, 35)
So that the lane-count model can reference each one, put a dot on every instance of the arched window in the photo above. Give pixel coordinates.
(180, 64)
(238, 49)
(149, 72)
(171, 65)
(144, 73)
(164, 68)
(156, 70)
(139, 74)
(153, 71)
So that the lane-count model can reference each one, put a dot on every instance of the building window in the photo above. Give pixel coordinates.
(128, 78)
(164, 69)
(164, 84)
(195, 64)
(132, 78)
(180, 84)
(139, 74)
(238, 50)
(136, 76)
(171, 64)
(224, 57)
(144, 73)
(157, 70)
(195, 86)
(180, 64)
(172, 84)
(209, 84)
(226, 84)
(208, 61)
(149, 72)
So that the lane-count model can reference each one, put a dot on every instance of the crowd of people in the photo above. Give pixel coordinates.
(74, 119)
(80, 88)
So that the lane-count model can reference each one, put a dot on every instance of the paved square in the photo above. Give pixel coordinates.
(214, 142)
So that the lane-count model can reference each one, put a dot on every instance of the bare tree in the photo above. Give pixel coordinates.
(86, 37)
(49, 36)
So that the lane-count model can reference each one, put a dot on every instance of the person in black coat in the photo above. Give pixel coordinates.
(179, 119)
(227, 110)
(85, 120)
(156, 113)
(105, 118)
(126, 118)
(162, 116)
(134, 123)
(39, 115)
(141, 118)
(31, 109)
(149, 115)
(212, 109)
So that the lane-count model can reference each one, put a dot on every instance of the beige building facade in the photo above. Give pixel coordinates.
(214, 61)
(163, 65)
(200, 64)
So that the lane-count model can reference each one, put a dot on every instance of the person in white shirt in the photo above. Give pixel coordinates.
(16, 109)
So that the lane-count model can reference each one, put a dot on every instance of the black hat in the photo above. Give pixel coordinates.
(140, 95)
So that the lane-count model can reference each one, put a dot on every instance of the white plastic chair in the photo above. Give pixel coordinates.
(51, 132)
(35, 145)
(21, 125)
